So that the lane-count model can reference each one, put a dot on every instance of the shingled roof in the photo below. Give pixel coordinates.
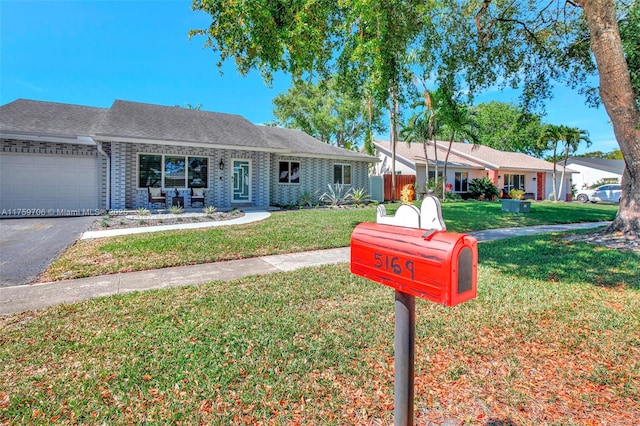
(140, 122)
(24, 116)
(300, 143)
(471, 156)
(612, 166)
(133, 120)
(415, 153)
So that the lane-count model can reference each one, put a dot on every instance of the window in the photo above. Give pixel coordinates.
(172, 171)
(513, 182)
(432, 175)
(342, 174)
(150, 171)
(198, 172)
(461, 182)
(289, 172)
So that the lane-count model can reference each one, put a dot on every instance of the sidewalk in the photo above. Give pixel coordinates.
(38, 296)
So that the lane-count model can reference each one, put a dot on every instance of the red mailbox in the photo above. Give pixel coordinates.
(436, 265)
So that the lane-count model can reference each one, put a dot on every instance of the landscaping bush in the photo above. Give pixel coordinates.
(516, 194)
(483, 189)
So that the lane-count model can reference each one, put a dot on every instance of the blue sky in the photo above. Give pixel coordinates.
(91, 52)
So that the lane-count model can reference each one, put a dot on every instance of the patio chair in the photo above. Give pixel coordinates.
(197, 196)
(157, 196)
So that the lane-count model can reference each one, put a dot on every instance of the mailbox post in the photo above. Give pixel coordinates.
(429, 263)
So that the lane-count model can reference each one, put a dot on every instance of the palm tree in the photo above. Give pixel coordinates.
(548, 140)
(421, 127)
(571, 137)
(457, 119)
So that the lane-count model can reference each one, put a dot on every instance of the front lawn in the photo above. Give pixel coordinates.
(551, 339)
(285, 232)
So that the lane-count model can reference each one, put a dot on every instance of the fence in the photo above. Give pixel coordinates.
(401, 180)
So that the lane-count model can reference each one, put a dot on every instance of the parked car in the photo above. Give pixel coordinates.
(610, 193)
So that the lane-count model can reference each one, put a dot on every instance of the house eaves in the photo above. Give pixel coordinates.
(41, 137)
(167, 142)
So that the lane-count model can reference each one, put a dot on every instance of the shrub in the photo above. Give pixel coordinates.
(483, 189)
(601, 182)
(307, 198)
(453, 196)
(359, 196)
(143, 212)
(435, 185)
(516, 194)
(176, 210)
(209, 210)
(336, 196)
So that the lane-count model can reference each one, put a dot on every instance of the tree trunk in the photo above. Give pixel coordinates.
(394, 140)
(425, 147)
(554, 174)
(446, 161)
(617, 96)
(392, 136)
(564, 167)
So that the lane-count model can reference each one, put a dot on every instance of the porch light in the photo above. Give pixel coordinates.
(221, 164)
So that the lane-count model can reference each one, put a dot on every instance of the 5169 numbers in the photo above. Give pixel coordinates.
(393, 264)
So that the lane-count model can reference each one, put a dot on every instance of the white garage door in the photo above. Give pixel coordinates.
(51, 183)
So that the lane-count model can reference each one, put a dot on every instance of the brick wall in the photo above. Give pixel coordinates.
(124, 166)
(315, 176)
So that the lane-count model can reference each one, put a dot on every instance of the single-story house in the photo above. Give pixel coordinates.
(592, 170)
(507, 170)
(60, 159)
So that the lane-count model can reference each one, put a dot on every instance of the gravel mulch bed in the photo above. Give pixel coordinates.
(133, 220)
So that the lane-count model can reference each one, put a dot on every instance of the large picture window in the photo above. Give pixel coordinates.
(461, 182)
(172, 171)
(513, 182)
(342, 174)
(289, 172)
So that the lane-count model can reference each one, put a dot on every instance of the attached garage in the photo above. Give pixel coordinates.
(51, 185)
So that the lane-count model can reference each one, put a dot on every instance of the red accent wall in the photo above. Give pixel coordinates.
(540, 178)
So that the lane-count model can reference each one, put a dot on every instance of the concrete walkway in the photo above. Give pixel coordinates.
(38, 296)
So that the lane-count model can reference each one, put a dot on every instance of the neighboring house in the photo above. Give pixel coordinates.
(59, 159)
(507, 170)
(592, 170)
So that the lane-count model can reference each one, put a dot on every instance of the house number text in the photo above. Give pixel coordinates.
(394, 264)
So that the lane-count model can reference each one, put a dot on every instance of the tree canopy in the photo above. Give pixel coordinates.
(612, 155)
(507, 127)
(325, 112)
(375, 49)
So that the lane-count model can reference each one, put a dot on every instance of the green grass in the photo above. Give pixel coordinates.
(285, 232)
(315, 346)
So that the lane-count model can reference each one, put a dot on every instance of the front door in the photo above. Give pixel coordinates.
(241, 181)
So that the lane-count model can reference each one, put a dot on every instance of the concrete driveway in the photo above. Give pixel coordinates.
(28, 246)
